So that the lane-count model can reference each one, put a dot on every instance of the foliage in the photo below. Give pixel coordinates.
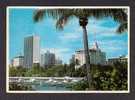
(35, 71)
(14, 86)
(110, 77)
(17, 71)
(81, 85)
(55, 71)
(106, 78)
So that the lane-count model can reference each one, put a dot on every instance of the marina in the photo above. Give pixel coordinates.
(46, 83)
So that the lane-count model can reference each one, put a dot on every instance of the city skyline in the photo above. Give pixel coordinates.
(64, 43)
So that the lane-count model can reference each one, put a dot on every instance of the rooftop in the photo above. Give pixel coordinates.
(93, 49)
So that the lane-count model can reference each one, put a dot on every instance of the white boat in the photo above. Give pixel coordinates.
(67, 77)
(65, 81)
(54, 81)
(32, 80)
(50, 80)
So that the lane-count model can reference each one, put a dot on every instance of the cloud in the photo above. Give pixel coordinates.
(97, 27)
(70, 36)
(102, 30)
(111, 42)
(94, 27)
(55, 50)
(111, 45)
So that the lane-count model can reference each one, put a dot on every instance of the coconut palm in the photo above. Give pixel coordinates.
(64, 15)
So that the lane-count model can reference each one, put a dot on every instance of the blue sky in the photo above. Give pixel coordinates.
(64, 43)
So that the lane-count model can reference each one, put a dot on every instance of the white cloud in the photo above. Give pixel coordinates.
(95, 27)
(102, 31)
(112, 46)
(55, 50)
(113, 42)
(69, 36)
(112, 49)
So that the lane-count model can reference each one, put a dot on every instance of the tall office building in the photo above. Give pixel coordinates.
(31, 51)
(58, 61)
(47, 59)
(42, 60)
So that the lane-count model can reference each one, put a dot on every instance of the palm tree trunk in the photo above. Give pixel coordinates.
(86, 53)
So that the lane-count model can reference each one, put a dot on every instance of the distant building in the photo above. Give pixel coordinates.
(31, 51)
(72, 60)
(48, 59)
(96, 56)
(122, 59)
(18, 61)
(42, 60)
(58, 61)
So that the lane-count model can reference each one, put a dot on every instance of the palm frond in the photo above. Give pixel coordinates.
(63, 15)
(119, 15)
(54, 13)
(38, 15)
(63, 20)
(122, 28)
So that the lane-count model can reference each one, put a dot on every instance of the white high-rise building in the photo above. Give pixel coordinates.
(18, 61)
(96, 56)
(31, 51)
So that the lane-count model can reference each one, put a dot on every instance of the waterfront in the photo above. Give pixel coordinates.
(45, 83)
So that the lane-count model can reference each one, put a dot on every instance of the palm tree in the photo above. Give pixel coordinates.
(64, 15)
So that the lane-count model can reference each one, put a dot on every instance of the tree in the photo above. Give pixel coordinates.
(64, 15)
(12, 71)
(77, 62)
(17, 71)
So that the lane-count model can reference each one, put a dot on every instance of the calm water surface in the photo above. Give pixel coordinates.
(47, 86)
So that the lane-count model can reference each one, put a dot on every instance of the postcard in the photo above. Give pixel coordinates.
(68, 49)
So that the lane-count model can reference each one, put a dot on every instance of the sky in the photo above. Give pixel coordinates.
(64, 43)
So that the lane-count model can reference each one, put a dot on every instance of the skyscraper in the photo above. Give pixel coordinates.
(48, 59)
(31, 51)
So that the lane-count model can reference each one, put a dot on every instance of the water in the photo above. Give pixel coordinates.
(45, 84)
(50, 87)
